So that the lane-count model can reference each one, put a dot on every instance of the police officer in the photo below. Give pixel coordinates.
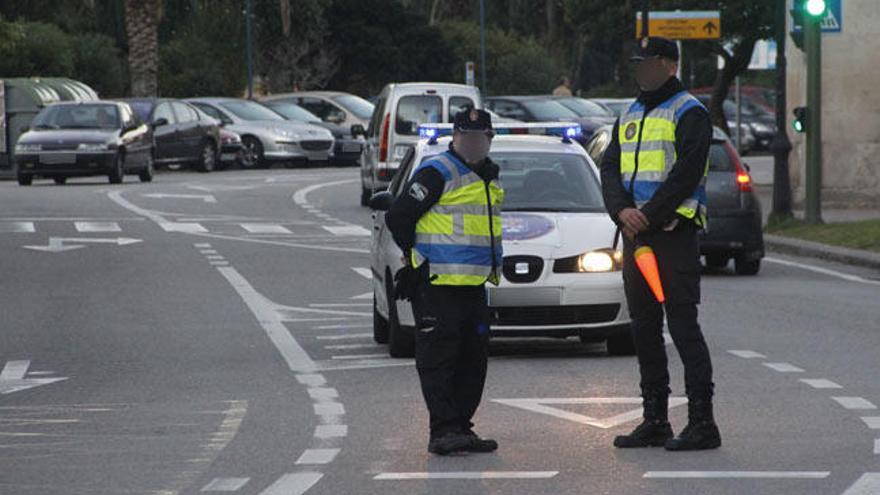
(447, 221)
(653, 180)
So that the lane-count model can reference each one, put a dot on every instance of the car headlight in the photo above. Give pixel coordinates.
(92, 147)
(286, 133)
(602, 260)
(27, 148)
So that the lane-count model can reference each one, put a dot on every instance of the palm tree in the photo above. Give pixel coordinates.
(142, 28)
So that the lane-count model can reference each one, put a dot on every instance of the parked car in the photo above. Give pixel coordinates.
(760, 123)
(181, 133)
(757, 96)
(594, 115)
(539, 109)
(266, 136)
(85, 139)
(333, 107)
(394, 126)
(735, 221)
(617, 105)
(346, 151)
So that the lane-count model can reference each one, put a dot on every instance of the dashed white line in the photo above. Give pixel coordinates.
(361, 356)
(343, 347)
(867, 484)
(467, 475)
(317, 456)
(214, 257)
(18, 227)
(201, 245)
(208, 251)
(877, 446)
(363, 272)
(784, 367)
(346, 336)
(820, 383)
(354, 230)
(737, 474)
(293, 484)
(225, 484)
(323, 393)
(261, 228)
(219, 263)
(854, 403)
(311, 379)
(329, 409)
(97, 227)
(187, 228)
(331, 431)
(873, 422)
(341, 327)
(747, 354)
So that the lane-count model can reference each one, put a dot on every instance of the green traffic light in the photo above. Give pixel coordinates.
(798, 126)
(815, 8)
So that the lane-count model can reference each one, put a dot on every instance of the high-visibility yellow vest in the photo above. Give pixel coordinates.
(460, 236)
(647, 149)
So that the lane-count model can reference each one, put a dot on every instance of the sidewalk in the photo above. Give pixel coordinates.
(762, 177)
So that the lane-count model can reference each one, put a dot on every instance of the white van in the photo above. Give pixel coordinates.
(394, 126)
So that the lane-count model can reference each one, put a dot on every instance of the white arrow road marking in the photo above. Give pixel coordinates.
(541, 406)
(57, 244)
(220, 188)
(207, 198)
(738, 474)
(867, 484)
(468, 475)
(97, 227)
(13, 378)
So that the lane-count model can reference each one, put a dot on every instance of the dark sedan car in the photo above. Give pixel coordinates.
(734, 210)
(594, 115)
(183, 135)
(346, 151)
(538, 109)
(759, 122)
(85, 139)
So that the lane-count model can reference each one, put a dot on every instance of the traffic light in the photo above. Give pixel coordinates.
(815, 8)
(800, 120)
(803, 11)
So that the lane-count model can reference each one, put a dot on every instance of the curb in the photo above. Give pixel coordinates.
(789, 245)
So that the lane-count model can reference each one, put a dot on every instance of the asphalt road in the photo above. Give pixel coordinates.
(212, 333)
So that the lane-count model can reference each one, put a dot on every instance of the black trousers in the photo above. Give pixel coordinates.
(451, 356)
(678, 259)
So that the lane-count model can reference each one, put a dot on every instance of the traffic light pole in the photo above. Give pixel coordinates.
(781, 145)
(813, 45)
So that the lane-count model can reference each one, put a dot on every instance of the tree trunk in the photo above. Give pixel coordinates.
(142, 29)
(734, 65)
(284, 7)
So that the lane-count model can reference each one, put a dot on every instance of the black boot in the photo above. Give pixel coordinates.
(654, 430)
(450, 443)
(481, 445)
(701, 432)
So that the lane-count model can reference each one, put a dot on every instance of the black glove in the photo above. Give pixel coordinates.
(405, 283)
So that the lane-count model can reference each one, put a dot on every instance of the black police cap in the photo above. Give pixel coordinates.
(472, 120)
(655, 47)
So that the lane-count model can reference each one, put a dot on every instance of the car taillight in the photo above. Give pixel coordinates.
(385, 173)
(743, 178)
(383, 140)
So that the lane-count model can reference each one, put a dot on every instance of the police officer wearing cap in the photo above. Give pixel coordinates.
(447, 222)
(653, 180)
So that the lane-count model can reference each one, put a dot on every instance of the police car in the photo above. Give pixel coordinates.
(561, 277)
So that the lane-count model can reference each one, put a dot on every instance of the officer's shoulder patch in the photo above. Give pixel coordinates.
(418, 191)
(631, 130)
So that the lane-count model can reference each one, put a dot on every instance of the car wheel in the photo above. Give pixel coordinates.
(60, 180)
(380, 325)
(401, 340)
(117, 175)
(746, 267)
(208, 157)
(366, 194)
(621, 345)
(717, 261)
(148, 172)
(252, 153)
(25, 179)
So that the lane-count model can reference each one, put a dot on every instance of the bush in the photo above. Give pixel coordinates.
(40, 50)
(98, 63)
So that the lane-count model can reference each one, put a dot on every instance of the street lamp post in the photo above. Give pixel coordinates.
(815, 12)
(781, 145)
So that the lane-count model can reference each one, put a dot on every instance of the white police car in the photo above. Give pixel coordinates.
(561, 277)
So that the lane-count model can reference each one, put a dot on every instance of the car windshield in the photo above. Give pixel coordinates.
(584, 108)
(82, 116)
(548, 110)
(248, 110)
(554, 182)
(291, 111)
(357, 105)
(618, 107)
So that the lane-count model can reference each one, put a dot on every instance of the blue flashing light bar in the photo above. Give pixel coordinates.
(566, 130)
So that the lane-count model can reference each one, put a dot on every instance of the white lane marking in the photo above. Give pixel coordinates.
(201, 245)
(331, 431)
(824, 271)
(219, 263)
(363, 272)
(206, 198)
(225, 485)
(18, 227)
(340, 327)
(361, 356)
(542, 406)
(97, 227)
(61, 244)
(737, 474)
(323, 393)
(366, 364)
(208, 251)
(14, 370)
(318, 247)
(293, 484)
(263, 228)
(340, 305)
(344, 347)
(346, 336)
(365, 295)
(747, 354)
(311, 379)
(296, 357)
(854, 403)
(300, 197)
(877, 446)
(355, 230)
(867, 484)
(317, 456)
(468, 475)
(214, 257)
(186, 228)
(329, 409)
(820, 383)
(784, 367)
(873, 422)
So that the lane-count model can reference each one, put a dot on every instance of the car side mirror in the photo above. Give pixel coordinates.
(160, 122)
(381, 201)
(358, 130)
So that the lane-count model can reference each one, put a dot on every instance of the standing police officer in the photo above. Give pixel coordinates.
(447, 221)
(653, 180)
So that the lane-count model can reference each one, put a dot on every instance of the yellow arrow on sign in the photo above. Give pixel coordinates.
(702, 25)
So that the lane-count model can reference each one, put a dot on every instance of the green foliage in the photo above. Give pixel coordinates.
(41, 50)
(98, 62)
